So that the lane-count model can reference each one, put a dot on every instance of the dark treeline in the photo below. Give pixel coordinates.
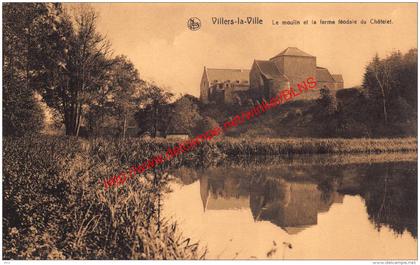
(385, 105)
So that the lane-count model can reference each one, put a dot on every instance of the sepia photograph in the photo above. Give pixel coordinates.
(210, 131)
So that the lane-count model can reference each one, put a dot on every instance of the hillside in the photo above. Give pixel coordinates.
(309, 118)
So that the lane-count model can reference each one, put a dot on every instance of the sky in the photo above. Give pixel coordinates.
(155, 37)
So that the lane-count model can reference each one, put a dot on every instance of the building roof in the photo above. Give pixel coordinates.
(323, 75)
(338, 78)
(293, 51)
(269, 70)
(222, 75)
(226, 203)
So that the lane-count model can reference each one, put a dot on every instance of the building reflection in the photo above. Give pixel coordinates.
(223, 193)
(291, 205)
(293, 197)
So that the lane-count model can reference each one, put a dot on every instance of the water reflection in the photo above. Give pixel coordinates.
(291, 205)
(292, 198)
(223, 193)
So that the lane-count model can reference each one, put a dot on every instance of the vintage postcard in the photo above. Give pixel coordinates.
(214, 131)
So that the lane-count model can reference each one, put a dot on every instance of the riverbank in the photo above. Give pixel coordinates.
(55, 206)
(233, 148)
(292, 146)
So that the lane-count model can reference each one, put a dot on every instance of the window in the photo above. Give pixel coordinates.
(237, 81)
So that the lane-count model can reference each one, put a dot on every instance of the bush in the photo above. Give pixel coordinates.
(22, 114)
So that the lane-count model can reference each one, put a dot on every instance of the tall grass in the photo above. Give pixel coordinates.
(54, 207)
(290, 146)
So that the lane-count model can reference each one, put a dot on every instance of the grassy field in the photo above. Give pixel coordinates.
(54, 206)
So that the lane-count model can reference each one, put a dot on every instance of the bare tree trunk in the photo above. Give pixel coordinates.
(79, 117)
(155, 120)
(383, 98)
(384, 109)
(125, 124)
(72, 118)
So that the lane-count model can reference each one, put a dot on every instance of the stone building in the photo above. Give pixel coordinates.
(325, 79)
(223, 85)
(287, 69)
(266, 77)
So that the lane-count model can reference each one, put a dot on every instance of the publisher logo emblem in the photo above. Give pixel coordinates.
(194, 23)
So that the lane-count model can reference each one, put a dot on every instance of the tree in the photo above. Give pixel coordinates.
(391, 84)
(326, 113)
(205, 124)
(378, 80)
(327, 101)
(21, 112)
(125, 90)
(115, 102)
(155, 109)
(25, 29)
(185, 115)
(408, 78)
(78, 67)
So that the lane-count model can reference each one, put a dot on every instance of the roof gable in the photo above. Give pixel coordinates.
(293, 51)
(338, 78)
(269, 70)
(222, 75)
(323, 75)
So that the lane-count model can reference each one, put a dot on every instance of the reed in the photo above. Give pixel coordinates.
(54, 207)
(290, 146)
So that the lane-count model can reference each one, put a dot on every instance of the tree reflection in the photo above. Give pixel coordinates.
(390, 193)
(292, 196)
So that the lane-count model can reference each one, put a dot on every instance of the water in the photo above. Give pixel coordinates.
(298, 210)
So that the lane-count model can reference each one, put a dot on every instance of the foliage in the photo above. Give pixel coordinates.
(205, 124)
(118, 99)
(154, 115)
(185, 116)
(24, 29)
(325, 114)
(391, 84)
(327, 101)
(79, 68)
(59, 53)
(22, 114)
(54, 207)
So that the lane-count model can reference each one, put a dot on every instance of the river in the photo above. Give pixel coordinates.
(298, 210)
